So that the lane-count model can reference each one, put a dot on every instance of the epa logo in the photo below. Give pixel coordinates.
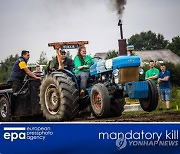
(12, 135)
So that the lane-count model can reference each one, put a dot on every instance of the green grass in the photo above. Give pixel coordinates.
(178, 92)
(131, 100)
(174, 102)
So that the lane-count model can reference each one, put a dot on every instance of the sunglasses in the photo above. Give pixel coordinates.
(63, 53)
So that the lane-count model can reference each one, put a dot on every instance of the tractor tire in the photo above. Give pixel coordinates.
(149, 104)
(117, 107)
(100, 101)
(5, 111)
(59, 97)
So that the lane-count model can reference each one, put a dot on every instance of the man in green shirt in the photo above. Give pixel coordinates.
(152, 73)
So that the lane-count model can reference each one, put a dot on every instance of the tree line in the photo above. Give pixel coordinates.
(152, 41)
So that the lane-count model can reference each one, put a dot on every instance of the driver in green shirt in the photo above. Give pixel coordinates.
(82, 63)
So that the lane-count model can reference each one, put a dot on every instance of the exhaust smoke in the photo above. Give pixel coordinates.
(119, 6)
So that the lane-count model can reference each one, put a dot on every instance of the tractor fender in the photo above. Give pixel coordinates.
(70, 74)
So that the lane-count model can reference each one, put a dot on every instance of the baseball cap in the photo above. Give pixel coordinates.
(62, 51)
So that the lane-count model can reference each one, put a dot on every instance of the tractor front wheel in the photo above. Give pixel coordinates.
(100, 101)
(149, 104)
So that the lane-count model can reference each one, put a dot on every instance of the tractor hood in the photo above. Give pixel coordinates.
(101, 66)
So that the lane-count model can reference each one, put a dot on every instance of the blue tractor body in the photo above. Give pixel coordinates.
(132, 88)
(137, 90)
(117, 78)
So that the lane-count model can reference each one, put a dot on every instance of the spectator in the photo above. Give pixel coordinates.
(164, 81)
(152, 73)
(38, 71)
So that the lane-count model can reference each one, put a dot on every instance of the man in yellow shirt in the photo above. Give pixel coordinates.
(19, 71)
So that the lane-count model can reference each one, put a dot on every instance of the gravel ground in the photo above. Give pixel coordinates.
(138, 117)
(164, 116)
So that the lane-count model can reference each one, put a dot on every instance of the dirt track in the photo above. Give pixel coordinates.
(138, 117)
(126, 117)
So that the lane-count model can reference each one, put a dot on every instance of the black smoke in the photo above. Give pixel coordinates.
(119, 6)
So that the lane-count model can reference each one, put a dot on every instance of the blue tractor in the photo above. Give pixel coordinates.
(110, 82)
(57, 97)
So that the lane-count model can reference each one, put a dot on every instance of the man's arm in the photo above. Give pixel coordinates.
(152, 77)
(155, 76)
(23, 66)
(164, 79)
(77, 64)
(28, 72)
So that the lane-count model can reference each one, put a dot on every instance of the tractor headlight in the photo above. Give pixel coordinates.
(116, 72)
(141, 71)
(116, 76)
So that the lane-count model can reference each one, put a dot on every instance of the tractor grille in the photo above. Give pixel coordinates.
(128, 74)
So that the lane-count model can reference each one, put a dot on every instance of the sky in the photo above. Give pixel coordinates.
(32, 24)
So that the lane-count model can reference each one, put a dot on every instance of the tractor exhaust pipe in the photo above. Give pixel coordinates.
(120, 26)
(122, 42)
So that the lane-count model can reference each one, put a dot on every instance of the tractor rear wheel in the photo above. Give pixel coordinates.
(100, 101)
(59, 97)
(5, 111)
(149, 104)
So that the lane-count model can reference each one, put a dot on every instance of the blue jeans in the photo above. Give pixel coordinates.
(84, 76)
(165, 94)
